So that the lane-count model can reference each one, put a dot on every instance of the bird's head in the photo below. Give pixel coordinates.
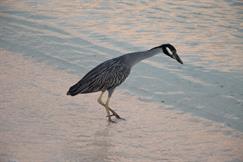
(170, 51)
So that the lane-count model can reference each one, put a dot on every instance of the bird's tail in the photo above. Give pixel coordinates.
(74, 90)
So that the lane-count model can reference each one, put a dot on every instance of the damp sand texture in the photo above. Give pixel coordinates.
(40, 123)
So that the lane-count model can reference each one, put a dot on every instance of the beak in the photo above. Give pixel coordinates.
(175, 56)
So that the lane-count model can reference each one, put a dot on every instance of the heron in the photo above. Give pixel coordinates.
(111, 73)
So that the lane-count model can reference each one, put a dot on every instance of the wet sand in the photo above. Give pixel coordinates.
(39, 123)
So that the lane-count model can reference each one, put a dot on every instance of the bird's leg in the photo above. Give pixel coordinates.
(99, 100)
(110, 91)
(108, 109)
(115, 114)
(106, 105)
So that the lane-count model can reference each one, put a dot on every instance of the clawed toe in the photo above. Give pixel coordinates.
(117, 116)
(120, 118)
(110, 115)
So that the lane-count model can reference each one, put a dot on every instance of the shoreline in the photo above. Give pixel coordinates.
(41, 123)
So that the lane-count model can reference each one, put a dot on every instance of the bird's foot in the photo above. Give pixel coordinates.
(110, 115)
(117, 116)
(121, 118)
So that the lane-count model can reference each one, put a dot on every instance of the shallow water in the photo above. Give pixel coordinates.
(77, 36)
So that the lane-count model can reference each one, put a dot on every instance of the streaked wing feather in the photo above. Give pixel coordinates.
(108, 74)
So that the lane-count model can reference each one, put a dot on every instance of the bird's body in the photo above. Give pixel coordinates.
(105, 76)
(111, 73)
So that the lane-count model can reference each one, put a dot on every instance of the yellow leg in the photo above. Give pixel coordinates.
(113, 112)
(107, 108)
(99, 100)
(105, 105)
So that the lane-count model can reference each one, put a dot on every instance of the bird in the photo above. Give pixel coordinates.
(113, 72)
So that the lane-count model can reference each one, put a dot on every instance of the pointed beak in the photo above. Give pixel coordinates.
(177, 58)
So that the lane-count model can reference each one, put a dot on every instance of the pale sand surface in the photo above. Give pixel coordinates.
(39, 123)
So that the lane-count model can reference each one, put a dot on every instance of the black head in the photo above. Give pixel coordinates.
(170, 51)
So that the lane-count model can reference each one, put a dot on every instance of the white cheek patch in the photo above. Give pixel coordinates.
(170, 52)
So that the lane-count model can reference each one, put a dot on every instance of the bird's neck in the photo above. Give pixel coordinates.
(134, 58)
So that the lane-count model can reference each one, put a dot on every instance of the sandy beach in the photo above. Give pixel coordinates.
(39, 123)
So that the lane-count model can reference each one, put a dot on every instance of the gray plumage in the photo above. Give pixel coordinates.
(105, 76)
(111, 73)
